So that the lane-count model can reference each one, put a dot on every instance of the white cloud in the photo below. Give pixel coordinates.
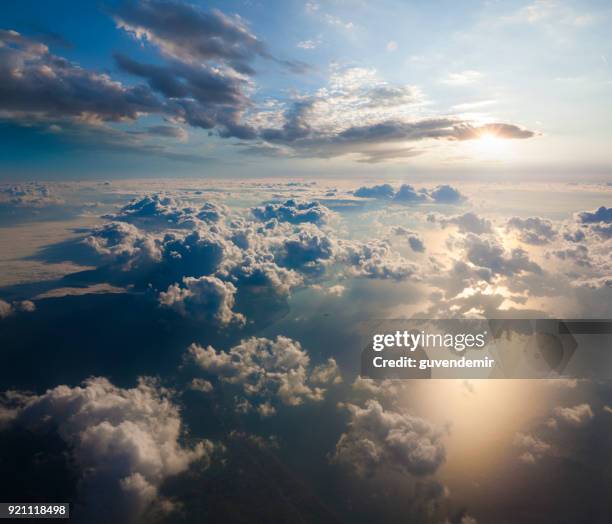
(206, 297)
(125, 442)
(463, 78)
(267, 371)
(379, 438)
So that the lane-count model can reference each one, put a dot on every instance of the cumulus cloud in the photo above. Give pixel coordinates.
(327, 373)
(408, 194)
(376, 259)
(31, 194)
(8, 309)
(533, 230)
(531, 448)
(575, 416)
(207, 298)
(168, 210)
(378, 438)
(380, 191)
(488, 254)
(414, 239)
(124, 245)
(466, 223)
(267, 371)
(125, 442)
(294, 212)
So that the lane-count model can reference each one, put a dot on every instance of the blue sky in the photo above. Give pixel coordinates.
(358, 87)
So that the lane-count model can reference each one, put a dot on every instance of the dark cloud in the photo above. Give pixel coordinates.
(446, 194)
(39, 85)
(499, 130)
(533, 230)
(407, 194)
(379, 438)
(414, 239)
(167, 210)
(467, 223)
(192, 35)
(488, 254)
(124, 442)
(294, 212)
(380, 191)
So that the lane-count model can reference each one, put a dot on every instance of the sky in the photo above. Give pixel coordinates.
(133, 89)
(205, 209)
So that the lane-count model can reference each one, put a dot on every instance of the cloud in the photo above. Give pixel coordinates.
(199, 384)
(124, 245)
(39, 85)
(357, 114)
(532, 448)
(31, 194)
(378, 438)
(267, 371)
(533, 230)
(380, 191)
(294, 212)
(9, 309)
(463, 78)
(575, 416)
(467, 223)
(603, 214)
(488, 254)
(327, 373)
(206, 298)
(409, 195)
(191, 35)
(162, 207)
(376, 259)
(414, 240)
(125, 442)
(443, 194)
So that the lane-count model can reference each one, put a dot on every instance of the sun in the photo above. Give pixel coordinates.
(489, 144)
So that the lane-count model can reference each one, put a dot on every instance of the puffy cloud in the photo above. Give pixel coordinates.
(378, 438)
(8, 309)
(309, 250)
(573, 416)
(30, 194)
(414, 240)
(266, 370)
(208, 298)
(467, 223)
(327, 373)
(124, 245)
(533, 230)
(261, 270)
(169, 210)
(375, 259)
(532, 448)
(446, 194)
(488, 254)
(294, 212)
(600, 221)
(125, 442)
(603, 214)
(380, 191)
(199, 384)
(443, 194)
